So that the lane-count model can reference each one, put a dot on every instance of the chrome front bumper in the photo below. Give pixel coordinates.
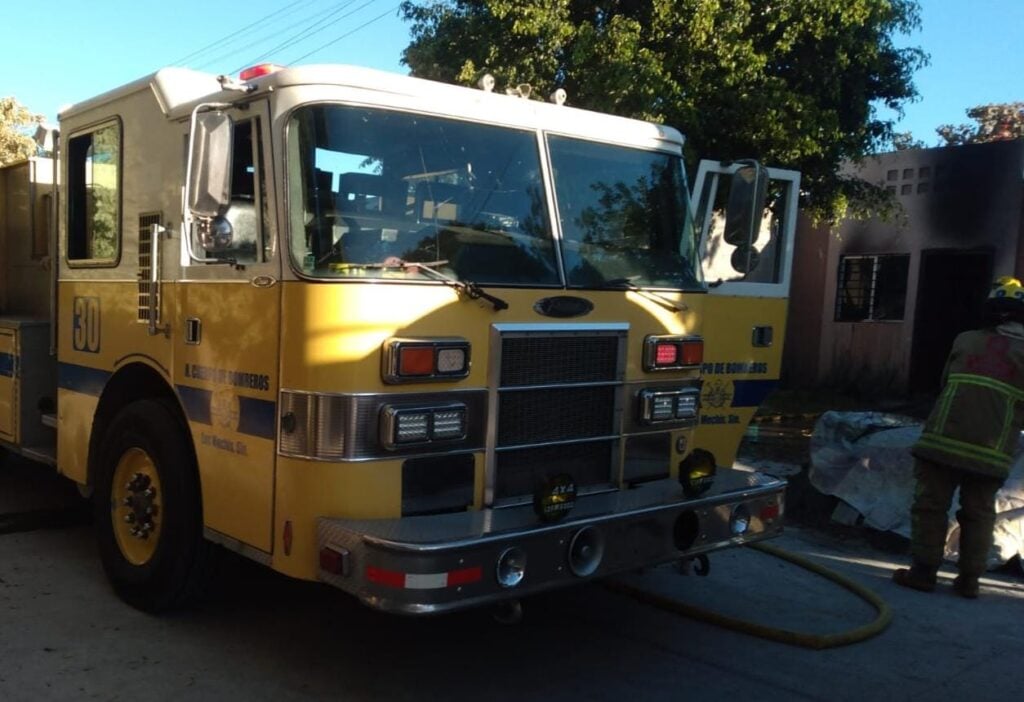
(431, 564)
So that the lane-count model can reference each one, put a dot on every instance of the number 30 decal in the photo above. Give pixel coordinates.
(85, 327)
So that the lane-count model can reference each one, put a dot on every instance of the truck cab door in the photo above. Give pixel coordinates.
(227, 351)
(744, 313)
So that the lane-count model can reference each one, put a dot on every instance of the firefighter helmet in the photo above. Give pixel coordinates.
(1006, 300)
(1007, 288)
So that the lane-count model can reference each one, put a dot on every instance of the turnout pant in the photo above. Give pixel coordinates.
(929, 515)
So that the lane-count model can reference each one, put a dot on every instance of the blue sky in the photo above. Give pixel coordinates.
(66, 51)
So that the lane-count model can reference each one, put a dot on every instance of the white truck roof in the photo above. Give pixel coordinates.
(178, 90)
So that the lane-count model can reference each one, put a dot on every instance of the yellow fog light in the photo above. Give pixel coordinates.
(697, 472)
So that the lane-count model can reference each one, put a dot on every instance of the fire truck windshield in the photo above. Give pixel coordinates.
(370, 187)
(625, 216)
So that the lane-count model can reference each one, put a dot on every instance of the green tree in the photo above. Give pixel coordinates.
(996, 122)
(903, 141)
(15, 119)
(101, 192)
(795, 83)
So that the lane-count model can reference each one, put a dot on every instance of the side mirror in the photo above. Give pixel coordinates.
(747, 197)
(209, 191)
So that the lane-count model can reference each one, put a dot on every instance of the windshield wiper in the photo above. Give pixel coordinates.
(467, 287)
(628, 284)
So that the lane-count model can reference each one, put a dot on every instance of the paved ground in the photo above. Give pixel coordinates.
(64, 635)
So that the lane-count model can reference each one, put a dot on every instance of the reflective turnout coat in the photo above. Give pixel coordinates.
(977, 418)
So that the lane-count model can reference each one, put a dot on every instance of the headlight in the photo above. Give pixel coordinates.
(679, 404)
(686, 405)
(402, 426)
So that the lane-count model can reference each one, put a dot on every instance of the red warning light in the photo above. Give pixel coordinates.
(262, 69)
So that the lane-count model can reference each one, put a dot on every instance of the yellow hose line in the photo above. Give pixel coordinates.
(786, 636)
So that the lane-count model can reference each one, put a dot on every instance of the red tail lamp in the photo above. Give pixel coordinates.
(673, 352)
(666, 354)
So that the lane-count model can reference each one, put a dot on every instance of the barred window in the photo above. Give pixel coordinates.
(872, 288)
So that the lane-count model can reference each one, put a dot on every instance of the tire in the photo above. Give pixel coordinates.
(148, 509)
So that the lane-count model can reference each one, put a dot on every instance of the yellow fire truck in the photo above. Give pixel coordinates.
(431, 345)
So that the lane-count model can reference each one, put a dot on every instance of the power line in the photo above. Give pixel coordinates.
(315, 28)
(310, 20)
(347, 34)
(235, 35)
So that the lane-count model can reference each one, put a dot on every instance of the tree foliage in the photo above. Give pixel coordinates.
(793, 82)
(15, 119)
(904, 141)
(995, 122)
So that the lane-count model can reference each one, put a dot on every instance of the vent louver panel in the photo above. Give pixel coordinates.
(146, 288)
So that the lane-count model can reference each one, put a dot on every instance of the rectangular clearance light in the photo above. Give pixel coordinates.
(415, 361)
(424, 360)
(672, 352)
(692, 351)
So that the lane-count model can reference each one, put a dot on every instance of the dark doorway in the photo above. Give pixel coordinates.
(951, 289)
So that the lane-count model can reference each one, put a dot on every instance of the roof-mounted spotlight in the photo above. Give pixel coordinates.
(559, 96)
(486, 83)
(522, 90)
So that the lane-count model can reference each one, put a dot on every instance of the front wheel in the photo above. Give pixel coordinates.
(148, 509)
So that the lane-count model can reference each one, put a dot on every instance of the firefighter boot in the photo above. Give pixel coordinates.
(966, 585)
(917, 577)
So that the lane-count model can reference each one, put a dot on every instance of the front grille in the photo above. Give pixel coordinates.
(558, 410)
(545, 359)
(522, 472)
(541, 416)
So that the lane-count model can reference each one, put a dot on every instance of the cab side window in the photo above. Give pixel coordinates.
(94, 195)
(246, 211)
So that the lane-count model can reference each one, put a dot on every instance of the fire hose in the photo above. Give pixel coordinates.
(786, 636)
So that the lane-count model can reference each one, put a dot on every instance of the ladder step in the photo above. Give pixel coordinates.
(42, 454)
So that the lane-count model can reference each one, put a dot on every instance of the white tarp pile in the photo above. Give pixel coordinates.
(863, 458)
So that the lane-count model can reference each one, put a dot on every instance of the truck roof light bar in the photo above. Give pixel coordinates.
(260, 69)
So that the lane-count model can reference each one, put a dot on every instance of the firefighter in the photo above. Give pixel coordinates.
(968, 442)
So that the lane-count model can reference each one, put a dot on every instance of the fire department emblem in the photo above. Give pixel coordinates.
(717, 394)
(224, 409)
